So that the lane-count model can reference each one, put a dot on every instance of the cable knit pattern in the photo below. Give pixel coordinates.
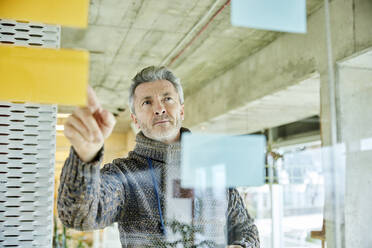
(122, 191)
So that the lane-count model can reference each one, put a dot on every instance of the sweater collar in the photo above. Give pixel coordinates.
(157, 150)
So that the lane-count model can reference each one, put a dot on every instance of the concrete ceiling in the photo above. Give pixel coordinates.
(125, 36)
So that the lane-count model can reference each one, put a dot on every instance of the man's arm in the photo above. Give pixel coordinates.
(240, 227)
(87, 197)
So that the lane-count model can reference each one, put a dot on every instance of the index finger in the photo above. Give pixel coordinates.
(93, 103)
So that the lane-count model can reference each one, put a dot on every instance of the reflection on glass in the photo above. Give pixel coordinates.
(195, 217)
(293, 207)
(302, 178)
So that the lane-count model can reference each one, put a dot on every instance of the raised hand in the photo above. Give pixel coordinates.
(88, 127)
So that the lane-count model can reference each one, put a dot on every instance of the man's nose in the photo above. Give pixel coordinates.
(161, 112)
(159, 109)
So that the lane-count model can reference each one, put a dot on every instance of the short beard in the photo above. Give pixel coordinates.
(163, 136)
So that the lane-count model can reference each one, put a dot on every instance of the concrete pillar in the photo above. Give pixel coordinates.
(355, 99)
(349, 108)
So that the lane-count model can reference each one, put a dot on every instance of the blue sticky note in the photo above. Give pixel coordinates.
(276, 15)
(210, 161)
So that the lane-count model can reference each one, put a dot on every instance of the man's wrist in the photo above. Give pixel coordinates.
(88, 158)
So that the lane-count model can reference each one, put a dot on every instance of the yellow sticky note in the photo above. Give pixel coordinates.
(72, 13)
(43, 75)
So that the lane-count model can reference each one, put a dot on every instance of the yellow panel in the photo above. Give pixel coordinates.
(43, 75)
(72, 13)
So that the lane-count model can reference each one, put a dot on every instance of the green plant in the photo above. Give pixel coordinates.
(59, 239)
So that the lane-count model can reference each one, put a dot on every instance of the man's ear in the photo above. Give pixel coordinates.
(134, 118)
(182, 112)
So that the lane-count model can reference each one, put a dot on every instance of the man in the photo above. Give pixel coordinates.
(128, 190)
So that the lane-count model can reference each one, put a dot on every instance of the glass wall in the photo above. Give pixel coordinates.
(279, 142)
(267, 144)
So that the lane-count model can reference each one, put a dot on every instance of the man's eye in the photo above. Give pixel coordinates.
(168, 98)
(146, 102)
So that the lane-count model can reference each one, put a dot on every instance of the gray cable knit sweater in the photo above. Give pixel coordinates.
(122, 191)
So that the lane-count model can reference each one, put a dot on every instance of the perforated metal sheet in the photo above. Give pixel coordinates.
(27, 153)
(27, 149)
(29, 34)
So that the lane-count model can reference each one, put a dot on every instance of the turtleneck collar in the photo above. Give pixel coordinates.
(157, 150)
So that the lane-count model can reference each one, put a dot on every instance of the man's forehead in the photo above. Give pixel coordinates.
(159, 87)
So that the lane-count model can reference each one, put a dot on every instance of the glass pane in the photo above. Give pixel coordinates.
(251, 135)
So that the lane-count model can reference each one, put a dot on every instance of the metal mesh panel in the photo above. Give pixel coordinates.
(27, 153)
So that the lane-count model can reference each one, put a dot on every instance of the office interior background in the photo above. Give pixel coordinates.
(308, 93)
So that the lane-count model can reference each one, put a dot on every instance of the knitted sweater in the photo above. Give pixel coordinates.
(123, 192)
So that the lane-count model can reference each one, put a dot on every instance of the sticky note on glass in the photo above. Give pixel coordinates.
(43, 75)
(276, 15)
(210, 161)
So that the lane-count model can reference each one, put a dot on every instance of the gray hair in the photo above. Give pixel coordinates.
(151, 74)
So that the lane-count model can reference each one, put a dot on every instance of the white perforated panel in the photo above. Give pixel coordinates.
(27, 149)
(29, 34)
(27, 153)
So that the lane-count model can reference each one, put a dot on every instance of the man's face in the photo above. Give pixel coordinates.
(158, 111)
